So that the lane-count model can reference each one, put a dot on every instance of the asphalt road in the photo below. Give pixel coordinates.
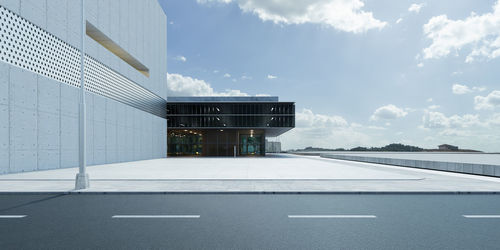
(231, 221)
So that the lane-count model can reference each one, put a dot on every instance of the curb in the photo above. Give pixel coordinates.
(211, 180)
(253, 192)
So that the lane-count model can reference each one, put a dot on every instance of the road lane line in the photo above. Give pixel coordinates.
(155, 216)
(470, 216)
(336, 216)
(12, 216)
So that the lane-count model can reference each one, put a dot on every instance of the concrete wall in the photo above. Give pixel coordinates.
(39, 115)
(467, 168)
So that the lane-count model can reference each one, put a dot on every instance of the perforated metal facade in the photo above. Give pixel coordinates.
(27, 46)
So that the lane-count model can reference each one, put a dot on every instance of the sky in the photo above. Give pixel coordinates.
(361, 72)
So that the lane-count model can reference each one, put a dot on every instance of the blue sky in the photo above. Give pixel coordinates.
(362, 73)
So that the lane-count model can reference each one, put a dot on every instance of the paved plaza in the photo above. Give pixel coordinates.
(274, 173)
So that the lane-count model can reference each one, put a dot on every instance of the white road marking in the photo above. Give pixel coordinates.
(468, 216)
(337, 216)
(155, 216)
(12, 216)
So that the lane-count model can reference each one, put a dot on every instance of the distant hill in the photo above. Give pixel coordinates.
(307, 149)
(394, 147)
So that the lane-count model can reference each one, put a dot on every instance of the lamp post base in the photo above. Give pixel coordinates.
(82, 181)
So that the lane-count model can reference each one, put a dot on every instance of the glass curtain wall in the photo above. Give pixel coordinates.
(250, 144)
(216, 142)
(185, 143)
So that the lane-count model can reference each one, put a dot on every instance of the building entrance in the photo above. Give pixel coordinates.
(216, 142)
(250, 144)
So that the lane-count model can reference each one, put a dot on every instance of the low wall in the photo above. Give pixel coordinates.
(466, 168)
(307, 153)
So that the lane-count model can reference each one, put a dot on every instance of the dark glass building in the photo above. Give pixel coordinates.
(225, 126)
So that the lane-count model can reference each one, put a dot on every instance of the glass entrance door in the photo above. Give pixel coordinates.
(250, 144)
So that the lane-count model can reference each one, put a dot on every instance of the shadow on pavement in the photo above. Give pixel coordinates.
(31, 202)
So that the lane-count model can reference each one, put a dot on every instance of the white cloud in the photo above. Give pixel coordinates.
(479, 32)
(459, 89)
(429, 99)
(213, 1)
(454, 133)
(494, 120)
(216, 71)
(467, 131)
(307, 118)
(271, 77)
(231, 92)
(416, 7)
(433, 120)
(328, 131)
(343, 15)
(356, 125)
(420, 65)
(388, 112)
(399, 20)
(331, 131)
(490, 101)
(464, 121)
(245, 77)
(227, 75)
(377, 127)
(181, 58)
(410, 109)
(433, 107)
(179, 85)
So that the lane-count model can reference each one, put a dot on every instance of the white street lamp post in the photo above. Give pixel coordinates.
(82, 178)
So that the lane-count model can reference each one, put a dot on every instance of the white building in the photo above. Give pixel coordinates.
(273, 146)
(125, 70)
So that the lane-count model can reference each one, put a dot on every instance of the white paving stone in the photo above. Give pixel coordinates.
(268, 174)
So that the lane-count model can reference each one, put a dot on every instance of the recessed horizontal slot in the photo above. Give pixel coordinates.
(114, 48)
